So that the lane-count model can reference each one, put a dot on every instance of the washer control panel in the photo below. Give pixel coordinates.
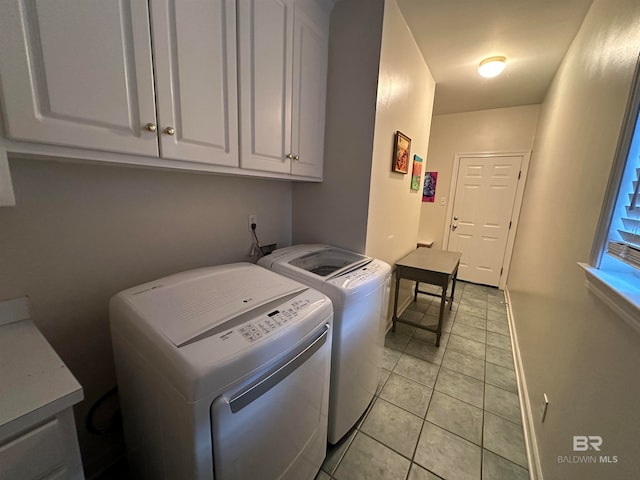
(255, 330)
(359, 275)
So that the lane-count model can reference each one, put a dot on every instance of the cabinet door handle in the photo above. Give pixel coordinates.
(150, 127)
(289, 156)
(170, 131)
(296, 157)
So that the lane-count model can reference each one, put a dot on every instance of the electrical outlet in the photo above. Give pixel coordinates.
(253, 218)
(544, 407)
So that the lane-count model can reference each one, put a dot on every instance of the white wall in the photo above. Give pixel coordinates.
(80, 233)
(335, 211)
(404, 102)
(573, 347)
(498, 130)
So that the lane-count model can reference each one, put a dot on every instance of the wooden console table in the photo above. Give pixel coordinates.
(435, 267)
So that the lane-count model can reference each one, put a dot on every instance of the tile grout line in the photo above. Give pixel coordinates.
(433, 390)
(424, 419)
(440, 367)
(484, 410)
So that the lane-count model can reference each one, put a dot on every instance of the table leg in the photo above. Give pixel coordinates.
(395, 303)
(453, 287)
(443, 302)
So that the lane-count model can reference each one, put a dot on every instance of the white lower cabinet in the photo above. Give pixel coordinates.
(283, 49)
(159, 79)
(47, 450)
(37, 430)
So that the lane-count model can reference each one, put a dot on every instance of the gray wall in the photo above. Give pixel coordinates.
(82, 232)
(335, 211)
(573, 347)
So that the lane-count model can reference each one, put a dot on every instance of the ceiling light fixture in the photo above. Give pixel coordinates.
(492, 66)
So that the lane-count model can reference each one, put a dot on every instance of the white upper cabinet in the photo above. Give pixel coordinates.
(78, 73)
(283, 49)
(194, 52)
(231, 86)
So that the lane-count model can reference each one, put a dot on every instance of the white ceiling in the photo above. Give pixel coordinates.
(455, 35)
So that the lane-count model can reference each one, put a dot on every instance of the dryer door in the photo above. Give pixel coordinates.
(275, 425)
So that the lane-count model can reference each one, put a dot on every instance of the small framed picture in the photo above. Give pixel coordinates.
(416, 172)
(401, 153)
(429, 189)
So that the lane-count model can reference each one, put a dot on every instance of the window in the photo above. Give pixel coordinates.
(624, 232)
(613, 273)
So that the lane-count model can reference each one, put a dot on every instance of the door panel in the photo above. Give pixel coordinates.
(469, 191)
(265, 29)
(309, 95)
(483, 206)
(195, 59)
(70, 82)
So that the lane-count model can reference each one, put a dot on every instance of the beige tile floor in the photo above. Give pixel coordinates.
(450, 412)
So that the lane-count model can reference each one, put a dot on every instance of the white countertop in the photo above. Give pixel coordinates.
(34, 382)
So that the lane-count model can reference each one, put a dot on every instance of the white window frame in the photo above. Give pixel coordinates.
(615, 282)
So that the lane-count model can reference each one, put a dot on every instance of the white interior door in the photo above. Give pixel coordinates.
(483, 203)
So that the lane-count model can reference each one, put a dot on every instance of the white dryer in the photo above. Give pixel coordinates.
(358, 287)
(223, 373)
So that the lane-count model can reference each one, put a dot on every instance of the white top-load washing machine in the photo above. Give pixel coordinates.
(223, 373)
(358, 286)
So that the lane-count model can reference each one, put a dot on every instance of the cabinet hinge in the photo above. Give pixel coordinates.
(519, 174)
(510, 225)
(501, 271)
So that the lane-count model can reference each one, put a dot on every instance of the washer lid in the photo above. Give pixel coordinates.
(186, 305)
(330, 262)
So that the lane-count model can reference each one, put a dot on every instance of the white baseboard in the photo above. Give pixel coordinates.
(530, 442)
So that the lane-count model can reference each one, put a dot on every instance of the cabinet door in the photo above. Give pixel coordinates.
(310, 53)
(194, 47)
(265, 32)
(78, 73)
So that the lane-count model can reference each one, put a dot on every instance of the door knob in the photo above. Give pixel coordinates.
(453, 227)
(455, 218)
(170, 130)
(289, 156)
(150, 127)
(296, 157)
